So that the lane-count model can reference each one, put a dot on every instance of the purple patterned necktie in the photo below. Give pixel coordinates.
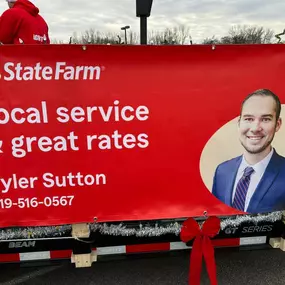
(242, 188)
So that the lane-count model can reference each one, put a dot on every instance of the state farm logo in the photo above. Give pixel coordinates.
(39, 38)
(58, 71)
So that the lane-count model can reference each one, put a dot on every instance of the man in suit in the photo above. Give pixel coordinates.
(255, 181)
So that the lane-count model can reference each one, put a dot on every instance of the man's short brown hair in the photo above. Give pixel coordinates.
(265, 92)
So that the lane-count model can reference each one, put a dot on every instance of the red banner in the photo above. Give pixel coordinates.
(123, 133)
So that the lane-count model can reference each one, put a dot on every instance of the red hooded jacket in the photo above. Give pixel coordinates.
(22, 24)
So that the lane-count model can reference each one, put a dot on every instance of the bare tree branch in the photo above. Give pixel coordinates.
(175, 35)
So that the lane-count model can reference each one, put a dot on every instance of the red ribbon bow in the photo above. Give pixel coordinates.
(202, 246)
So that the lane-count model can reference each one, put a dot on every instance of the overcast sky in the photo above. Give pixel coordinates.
(205, 18)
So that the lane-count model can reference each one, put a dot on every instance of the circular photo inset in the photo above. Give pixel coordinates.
(243, 163)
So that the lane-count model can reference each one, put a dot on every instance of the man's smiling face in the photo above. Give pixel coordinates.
(258, 124)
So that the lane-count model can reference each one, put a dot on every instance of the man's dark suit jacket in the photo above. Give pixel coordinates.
(270, 193)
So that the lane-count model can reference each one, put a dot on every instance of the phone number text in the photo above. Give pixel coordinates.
(56, 201)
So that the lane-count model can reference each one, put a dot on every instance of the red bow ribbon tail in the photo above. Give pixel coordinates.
(202, 246)
(209, 255)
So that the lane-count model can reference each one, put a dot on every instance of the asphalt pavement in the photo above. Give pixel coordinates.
(255, 267)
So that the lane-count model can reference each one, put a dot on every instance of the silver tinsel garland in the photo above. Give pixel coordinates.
(141, 231)
(175, 228)
(32, 233)
(156, 230)
(272, 218)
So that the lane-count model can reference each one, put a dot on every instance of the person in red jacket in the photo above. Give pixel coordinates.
(22, 24)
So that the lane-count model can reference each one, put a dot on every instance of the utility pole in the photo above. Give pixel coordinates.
(125, 29)
(143, 11)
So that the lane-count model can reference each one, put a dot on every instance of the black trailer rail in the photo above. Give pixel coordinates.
(24, 245)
